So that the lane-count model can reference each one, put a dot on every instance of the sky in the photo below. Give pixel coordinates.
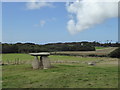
(50, 23)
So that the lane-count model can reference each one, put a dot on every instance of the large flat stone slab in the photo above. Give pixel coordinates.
(40, 54)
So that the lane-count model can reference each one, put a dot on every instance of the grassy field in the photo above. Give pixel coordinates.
(6, 57)
(63, 75)
(27, 57)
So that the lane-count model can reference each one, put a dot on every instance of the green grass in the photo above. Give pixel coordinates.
(64, 75)
(100, 47)
(17, 56)
(25, 57)
(71, 58)
(61, 76)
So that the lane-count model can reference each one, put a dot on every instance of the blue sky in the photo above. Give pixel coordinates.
(49, 24)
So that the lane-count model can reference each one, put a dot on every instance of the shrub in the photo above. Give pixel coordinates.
(115, 53)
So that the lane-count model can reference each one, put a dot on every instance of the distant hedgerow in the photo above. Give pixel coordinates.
(115, 53)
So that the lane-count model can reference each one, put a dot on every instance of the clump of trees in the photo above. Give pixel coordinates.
(20, 48)
(115, 53)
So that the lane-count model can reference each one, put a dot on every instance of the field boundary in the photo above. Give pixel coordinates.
(97, 53)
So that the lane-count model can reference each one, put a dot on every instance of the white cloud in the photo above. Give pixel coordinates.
(71, 26)
(37, 5)
(87, 14)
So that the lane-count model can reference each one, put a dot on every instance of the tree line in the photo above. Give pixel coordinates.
(53, 47)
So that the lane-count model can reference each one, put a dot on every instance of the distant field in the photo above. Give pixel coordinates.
(14, 56)
(63, 75)
(99, 52)
(101, 47)
(27, 57)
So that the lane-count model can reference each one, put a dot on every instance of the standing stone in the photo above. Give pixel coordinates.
(35, 63)
(41, 63)
(46, 62)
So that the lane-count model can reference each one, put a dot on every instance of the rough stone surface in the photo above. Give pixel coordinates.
(35, 63)
(92, 63)
(46, 62)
